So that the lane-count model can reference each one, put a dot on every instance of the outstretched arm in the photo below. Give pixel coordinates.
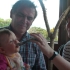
(58, 61)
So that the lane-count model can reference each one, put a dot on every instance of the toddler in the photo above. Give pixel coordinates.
(10, 59)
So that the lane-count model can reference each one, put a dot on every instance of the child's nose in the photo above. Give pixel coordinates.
(16, 41)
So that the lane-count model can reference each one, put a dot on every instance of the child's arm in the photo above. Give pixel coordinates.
(20, 64)
(14, 69)
(27, 66)
(17, 59)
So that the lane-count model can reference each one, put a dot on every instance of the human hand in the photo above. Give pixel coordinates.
(27, 66)
(43, 44)
(40, 40)
(14, 69)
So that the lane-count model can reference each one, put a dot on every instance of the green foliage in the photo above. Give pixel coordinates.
(43, 32)
(38, 30)
(56, 38)
(4, 23)
(52, 30)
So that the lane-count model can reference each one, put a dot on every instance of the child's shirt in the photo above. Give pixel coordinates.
(14, 61)
(3, 62)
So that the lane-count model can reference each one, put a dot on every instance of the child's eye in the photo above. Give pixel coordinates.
(11, 41)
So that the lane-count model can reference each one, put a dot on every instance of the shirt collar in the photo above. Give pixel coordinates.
(24, 35)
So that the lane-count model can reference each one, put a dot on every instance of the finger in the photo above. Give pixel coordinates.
(37, 36)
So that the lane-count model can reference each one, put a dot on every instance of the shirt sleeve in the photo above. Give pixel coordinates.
(66, 51)
(3, 63)
(40, 62)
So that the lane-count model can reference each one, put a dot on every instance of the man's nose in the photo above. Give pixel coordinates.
(25, 19)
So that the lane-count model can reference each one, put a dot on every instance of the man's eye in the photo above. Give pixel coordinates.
(19, 15)
(30, 18)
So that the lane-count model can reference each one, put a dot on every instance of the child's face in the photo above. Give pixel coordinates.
(9, 44)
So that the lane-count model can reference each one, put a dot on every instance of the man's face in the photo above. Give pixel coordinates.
(22, 19)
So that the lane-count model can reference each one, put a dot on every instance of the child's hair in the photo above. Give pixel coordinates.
(4, 31)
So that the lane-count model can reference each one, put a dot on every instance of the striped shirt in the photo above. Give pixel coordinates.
(66, 51)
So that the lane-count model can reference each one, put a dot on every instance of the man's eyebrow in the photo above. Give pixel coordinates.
(20, 13)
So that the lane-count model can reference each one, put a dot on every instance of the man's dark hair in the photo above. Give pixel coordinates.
(26, 3)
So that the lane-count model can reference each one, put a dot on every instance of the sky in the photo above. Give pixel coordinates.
(52, 11)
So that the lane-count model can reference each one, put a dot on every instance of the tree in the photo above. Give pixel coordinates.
(50, 34)
(43, 32)
(38, 30)
(4, 23)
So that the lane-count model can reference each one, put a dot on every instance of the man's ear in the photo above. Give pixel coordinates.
(2, 50)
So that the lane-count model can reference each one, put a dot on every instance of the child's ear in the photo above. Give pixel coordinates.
(2, 50)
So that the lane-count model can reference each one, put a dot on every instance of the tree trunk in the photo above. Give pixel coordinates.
(52, 35)
(50, 64)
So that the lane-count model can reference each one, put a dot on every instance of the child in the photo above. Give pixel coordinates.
(10, 59)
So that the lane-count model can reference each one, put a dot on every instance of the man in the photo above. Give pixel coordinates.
(23, 14)
(66, 50)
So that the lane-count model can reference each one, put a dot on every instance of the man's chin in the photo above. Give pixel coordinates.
(21, 27)
(22, 30)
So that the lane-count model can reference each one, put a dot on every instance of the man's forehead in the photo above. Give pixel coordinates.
(25, 8)
(26, 11)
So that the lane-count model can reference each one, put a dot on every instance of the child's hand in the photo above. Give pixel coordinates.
(27, 66)
(14, 69)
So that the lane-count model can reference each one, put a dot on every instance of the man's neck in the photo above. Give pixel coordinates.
(18, 34)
